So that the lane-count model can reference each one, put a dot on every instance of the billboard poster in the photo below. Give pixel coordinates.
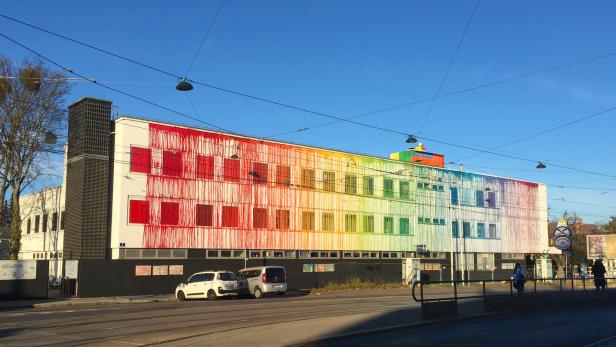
(601, 246)
(143, 270)
(160, 270)
(70, 268)
(17, 270)
(176, 270)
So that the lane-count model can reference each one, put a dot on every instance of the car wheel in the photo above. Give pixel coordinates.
(258, 294)
(181, 296)
(211, 295)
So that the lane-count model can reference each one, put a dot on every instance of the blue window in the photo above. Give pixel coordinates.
(480, 201)
(466, 229)
(481, 230)
(454, 195)
(455, 230)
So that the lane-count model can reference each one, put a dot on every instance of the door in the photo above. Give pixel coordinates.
(193, 286)
(206, 283)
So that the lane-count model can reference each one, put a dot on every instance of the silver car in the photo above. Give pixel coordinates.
(262, 280)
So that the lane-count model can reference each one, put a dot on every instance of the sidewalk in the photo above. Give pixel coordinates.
(63, 302)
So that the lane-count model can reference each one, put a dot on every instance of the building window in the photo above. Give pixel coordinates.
(479, 202)
(491, 199)
(350, 223)
(329, 181)
(308, 178)
(230, 216)
(140, 159)
(368, 224)
(485, 261)
(259, 173)
(404, 190)
(455, 229)
(37, 222)
(492, 231)
(404, 226)
(205, 167)
(388, 188)
(465, 262)
(231, 168)
(259, 218)
(467, 197)
(45, 218)
(138, 211)
(368, 185)
(169, 213)
(283, 219)
(350, 184)
(388, 225)
(62, 220)
(454, 195)
(54, 221)
(28, 225)
(466, 229)
(204, 215)
(283, 175)
(172, 163)
(481, 230)
(308, 220)
(327, 222)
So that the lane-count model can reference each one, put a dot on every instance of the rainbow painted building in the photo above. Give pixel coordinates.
(139, 189)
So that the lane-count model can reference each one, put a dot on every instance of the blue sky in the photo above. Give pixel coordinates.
(351, 57)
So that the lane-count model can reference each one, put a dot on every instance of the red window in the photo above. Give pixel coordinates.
(283, 175)
(140, 159)
(204, 215)
(169, 213)
(138, 211)
(259, 173)
(232, 170)
(172, 163)
(205, 167)
(230, 216)
(259, 218)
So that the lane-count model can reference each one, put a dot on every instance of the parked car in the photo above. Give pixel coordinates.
(208, 284)
(262, 280)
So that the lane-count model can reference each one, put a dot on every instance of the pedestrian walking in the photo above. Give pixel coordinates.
(519, 278)
(598, 271)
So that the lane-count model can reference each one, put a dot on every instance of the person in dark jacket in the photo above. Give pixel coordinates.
(598, 271)
(518, 278)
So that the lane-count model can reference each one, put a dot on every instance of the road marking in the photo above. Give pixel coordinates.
(601, 341)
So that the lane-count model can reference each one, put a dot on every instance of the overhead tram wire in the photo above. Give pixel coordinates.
(451, 61)
(112, 88)
(348, 119)
(207, 34)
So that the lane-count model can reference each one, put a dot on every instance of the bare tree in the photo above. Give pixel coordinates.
(31, 117)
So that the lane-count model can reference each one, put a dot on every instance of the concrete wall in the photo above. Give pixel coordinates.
(27, 289)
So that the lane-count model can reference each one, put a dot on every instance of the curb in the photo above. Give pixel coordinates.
(95, 303)
(421, 324)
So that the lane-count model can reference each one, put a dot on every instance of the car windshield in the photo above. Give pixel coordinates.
(275, 275)
(227, 276)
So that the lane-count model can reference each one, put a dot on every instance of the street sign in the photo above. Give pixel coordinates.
(562, 236)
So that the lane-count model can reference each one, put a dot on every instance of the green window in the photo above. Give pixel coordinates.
(481, 230)
(404, 190)
(329, 181)
(466, 229)
(350, 184)
(368, 185)
(454, 195)
(455, 229)
(388, 225)
(368, 224)
(327, 221)
(350, 223)
(388, 188)
(404, 226)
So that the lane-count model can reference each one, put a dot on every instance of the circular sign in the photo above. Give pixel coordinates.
(562, 242)
(562, 231)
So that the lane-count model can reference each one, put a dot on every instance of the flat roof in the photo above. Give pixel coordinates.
(142, 119)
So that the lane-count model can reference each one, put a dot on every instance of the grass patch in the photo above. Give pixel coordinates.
(356, 283)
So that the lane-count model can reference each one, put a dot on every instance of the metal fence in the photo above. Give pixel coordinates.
(474, 289)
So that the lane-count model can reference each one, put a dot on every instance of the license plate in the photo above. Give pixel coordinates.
(229, 286)
(278, 286)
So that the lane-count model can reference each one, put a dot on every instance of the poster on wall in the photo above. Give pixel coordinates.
(176, 270)
(143, 270)
(308, 268)
(323, 267)
(601, 246)
(160, 270)
(17, 270)
(70, 268)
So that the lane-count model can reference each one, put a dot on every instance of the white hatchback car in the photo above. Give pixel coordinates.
(208, 284)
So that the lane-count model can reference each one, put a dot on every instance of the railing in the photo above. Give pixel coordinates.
(499, 288)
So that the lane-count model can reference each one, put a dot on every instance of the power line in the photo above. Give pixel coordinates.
(451, 61)
(207, 34)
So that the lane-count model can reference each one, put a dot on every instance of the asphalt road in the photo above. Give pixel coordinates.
(582, 326)
(267, 322)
